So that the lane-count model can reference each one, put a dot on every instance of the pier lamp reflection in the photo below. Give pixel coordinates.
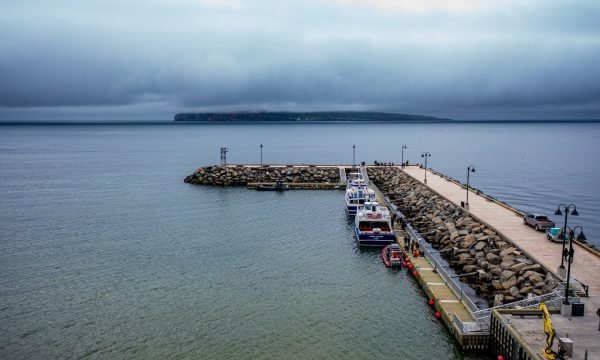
(572, 209)
(470, 169)
(568, 255)
(425, 155)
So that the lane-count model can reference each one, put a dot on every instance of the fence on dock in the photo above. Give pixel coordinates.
(480, 312)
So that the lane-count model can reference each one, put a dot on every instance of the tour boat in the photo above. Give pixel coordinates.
(392, 255)
(373, 225)
(357, 197)
(357, 193)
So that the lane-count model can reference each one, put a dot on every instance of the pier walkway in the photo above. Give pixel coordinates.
(527, 335)
(508, 222)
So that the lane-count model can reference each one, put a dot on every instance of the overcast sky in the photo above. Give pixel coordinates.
(148, 59)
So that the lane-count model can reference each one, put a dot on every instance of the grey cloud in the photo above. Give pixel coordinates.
(304, 55)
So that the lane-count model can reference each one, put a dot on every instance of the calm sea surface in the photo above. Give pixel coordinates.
(106, 253)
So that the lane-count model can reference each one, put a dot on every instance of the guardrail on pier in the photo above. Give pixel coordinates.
(343, 175)
(481, 315)
(585, 245)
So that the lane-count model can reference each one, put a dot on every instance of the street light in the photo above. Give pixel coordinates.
(470, 169)
(403, 147)
(353, 155)
(567, 209)
(425, 155)
(569, 255)
(261, 147)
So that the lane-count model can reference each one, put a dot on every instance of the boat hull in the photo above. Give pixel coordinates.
(270, 188)
(351, 209)
(388, 262)
(374, 239)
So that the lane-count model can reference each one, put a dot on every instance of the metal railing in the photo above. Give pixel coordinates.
(482, 316)
(343, 175)
(363, 171)
(438, 265)
(552, 300)
(468, 326)
(433, 256)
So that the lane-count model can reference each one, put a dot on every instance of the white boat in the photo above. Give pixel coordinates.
(373, 225)
(357, 197)
(357, 192)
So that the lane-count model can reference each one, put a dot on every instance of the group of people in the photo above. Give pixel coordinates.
(384, 164)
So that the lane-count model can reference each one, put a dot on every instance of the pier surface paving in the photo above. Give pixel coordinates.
(586, 265)
(582, 330)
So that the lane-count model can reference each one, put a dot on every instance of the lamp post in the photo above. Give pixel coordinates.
(353, 155)
(425, 155)
(470, 169)
(261, 147)
(569, 255)
(403, 147)
(572, 209)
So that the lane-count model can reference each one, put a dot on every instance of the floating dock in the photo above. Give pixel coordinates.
(301, 186)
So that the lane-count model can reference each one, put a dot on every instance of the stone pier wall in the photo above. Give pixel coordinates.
(510, 275)
(241, 175)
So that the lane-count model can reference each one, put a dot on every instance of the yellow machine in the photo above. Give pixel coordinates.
(550, 334)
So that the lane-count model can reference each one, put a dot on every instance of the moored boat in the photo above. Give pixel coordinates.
(391, 255)
(372, 225)
(356, 197)
(279, 186)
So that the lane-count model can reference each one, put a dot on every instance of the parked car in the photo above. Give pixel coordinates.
(538, 221)
(555, 234)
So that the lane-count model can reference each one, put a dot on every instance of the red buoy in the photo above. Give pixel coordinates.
(431, 302)
(438, 314)
(415, 273)
(410, 266)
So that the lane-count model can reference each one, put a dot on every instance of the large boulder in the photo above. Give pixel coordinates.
(493, 259)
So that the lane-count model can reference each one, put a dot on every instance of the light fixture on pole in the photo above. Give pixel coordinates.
(261, 147)
(470, 169)
(425, 155)
(569, 255)
(353, 155)
(224, 152)
(403, 147)
(568, 209)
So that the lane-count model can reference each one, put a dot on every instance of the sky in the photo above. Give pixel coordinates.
(149, 59)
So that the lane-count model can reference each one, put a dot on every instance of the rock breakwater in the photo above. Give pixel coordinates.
(241, 175)
(507, 273)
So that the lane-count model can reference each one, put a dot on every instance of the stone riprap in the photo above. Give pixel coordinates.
(238, 175)
(467, 244)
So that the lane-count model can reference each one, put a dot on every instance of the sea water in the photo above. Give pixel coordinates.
(106, 253)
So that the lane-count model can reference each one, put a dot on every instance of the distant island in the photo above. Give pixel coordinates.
(324, 116)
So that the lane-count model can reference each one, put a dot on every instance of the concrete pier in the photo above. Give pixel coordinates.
(514, 335)
(509, 222)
